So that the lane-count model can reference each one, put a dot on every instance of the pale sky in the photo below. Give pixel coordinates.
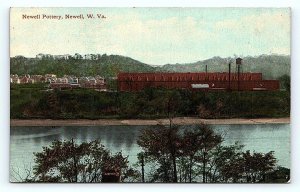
(153, 35)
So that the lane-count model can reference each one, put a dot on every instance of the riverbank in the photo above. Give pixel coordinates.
(177, 120)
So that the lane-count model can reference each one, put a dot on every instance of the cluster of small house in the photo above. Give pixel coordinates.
(23, 79)
(68, 56)
(65, 82)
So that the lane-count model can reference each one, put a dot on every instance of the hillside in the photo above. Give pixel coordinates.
(272, 66)
(107, 66)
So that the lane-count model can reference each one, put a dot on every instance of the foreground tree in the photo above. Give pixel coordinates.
(257, 165)
(196, 145)
(198, 155)
(66, 161)
(207, 140)
(226, 164)
(162, 144)
(278, 175)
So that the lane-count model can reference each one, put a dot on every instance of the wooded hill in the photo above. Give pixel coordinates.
(272, 66)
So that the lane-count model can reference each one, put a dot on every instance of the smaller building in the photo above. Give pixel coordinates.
(24, 80)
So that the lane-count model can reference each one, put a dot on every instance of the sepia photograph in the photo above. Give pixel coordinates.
(150, 95)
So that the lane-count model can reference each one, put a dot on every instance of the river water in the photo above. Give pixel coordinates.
(24, 141)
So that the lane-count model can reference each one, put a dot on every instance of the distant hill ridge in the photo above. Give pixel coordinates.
(272, 66)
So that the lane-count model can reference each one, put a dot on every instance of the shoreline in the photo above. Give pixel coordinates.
(177, 120)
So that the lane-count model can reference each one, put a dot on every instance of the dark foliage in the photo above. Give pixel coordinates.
(197, 155)
(66, 161)
(174, 155)
(33, 101)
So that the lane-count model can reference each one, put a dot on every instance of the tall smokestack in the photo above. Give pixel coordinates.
(239, 63)
(206, 72)
(229, 75)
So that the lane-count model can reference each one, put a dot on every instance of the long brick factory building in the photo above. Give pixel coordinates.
(195, 81)
(202, 81)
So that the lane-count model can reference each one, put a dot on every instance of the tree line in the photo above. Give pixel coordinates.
(36, 102)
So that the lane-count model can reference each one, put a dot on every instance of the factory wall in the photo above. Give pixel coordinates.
(195, 81)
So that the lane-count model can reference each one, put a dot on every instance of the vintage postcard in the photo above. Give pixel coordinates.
(150, 95)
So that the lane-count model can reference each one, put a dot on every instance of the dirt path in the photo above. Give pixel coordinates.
(178, 120)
